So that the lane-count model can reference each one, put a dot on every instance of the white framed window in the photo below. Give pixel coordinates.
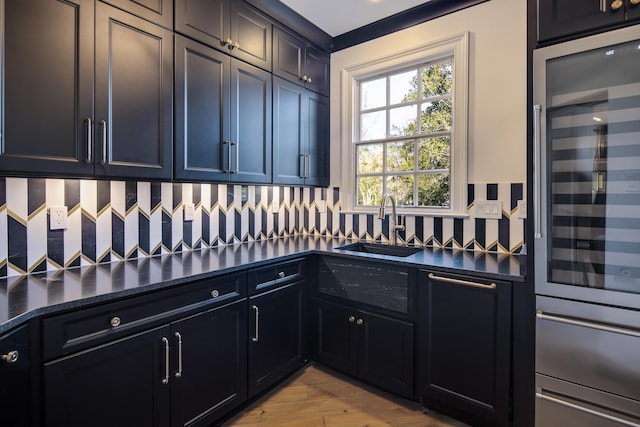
(405, 130)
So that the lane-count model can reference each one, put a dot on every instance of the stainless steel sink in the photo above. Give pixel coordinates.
(380, 249)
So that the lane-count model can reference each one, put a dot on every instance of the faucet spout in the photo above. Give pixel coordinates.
(393, 226)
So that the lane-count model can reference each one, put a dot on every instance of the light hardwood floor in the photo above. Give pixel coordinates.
(319, 397)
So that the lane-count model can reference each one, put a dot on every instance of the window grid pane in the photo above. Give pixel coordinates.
(417, 103)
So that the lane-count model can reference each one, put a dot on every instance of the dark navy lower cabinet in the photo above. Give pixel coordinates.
(464, 337)
(15, 379)
(373, 347)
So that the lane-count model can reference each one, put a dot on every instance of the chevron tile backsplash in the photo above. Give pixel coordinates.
(117, 220)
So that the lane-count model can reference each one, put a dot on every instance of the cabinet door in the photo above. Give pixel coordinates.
(276, 345)
(557, 18)
(15, 371)
(385, 352)
(108, 384)
(633, 11)
(465, 344)
(317, 71)
(288, 129)
(158, 11)
(202, 112)
(134, 96)
(316, 120)
(337, 339)
(251, 35)
(47, 82)
(250, 123)
(204, 20)
(209, 365)
(288, 56)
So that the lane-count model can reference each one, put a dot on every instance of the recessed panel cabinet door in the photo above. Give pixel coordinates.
(158, 11)
(251, 34)
(250, 123)
(108, 384)
(288, 146)
(209, 365)
(204, 20)
(559, 18)
(317, 139)
(47, 83)
(134, 96)
(202, 112)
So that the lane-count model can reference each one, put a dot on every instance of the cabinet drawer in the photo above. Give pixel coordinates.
(589, 344)
(261, 279)
(77, 330)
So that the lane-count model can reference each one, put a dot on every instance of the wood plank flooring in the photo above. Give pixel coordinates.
(319, 397)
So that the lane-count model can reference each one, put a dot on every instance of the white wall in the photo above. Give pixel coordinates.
(497, 85)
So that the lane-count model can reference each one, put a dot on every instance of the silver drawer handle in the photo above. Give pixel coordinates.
(89, 133)
(179, 373)
(461, 282)
(352, 319)
(103, 125)
(11, 357)
(115, 321)
(587, 324)
(165, 380)
(255, 337)
(215, 293)
(541, 395)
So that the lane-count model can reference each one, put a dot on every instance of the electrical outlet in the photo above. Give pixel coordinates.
(522, 209)
(189, 209)
(57, 217)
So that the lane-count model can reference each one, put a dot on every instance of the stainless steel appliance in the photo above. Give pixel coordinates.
(587, 231)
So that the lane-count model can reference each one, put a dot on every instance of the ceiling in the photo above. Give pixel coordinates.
(336, 17)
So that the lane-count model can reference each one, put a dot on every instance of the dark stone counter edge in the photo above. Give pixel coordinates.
(410, 261)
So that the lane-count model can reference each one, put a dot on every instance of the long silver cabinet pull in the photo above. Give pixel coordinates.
(307, 165)
(537, 172)
(303, 169)
(540, 314)
(89, 133)
(165, 380)
(255, 337)
(179, 373)
(103, 159)
(462, 282)
(237, 145)
(541, 395)
(228, 169)
(603, 6)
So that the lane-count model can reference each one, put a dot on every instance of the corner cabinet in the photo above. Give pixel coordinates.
(120, 361)
(222, 117)
(298, 61)
(300, 135)
(464, 337)
(227, 25)
(563, 18)
(52, 123)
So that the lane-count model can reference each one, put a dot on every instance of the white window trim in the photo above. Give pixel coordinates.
(456, 46)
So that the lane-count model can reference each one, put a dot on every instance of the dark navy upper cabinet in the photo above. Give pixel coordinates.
(223, 117)
(565, 18)
(158, 11)
(227, 25)
(134, 96)
(63, 115)
(296, 60)
(300, 135)
(47, 85)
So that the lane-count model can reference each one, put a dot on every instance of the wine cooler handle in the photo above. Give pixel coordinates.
(537, 171)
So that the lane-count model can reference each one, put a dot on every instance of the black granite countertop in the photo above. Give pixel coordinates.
(25, 297)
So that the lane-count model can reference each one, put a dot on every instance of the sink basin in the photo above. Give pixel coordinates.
(377, 248)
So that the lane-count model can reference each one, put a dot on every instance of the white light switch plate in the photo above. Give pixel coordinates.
(188, 211)
(491, 209)
(57, 218)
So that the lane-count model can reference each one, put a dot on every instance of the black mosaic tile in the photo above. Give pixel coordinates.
(222, 226)
(237, 224)
(276, 224)
(503, 232)
(177, 195)
(492, 191)
(264, 213)
(41, 267)
(206, 228)
(252, 225)
(370, 223)
(458, 231)
(197, 194)
(258, 195)
(471, 194)
(17, 244)
(144, 234)
(342, 224)
(75, 262)
(297, 220)
(167, 231)
(481, 232)
(214, 195)
(336, 195)
(420, 228)
(355, 224)
(36, 194)
(131, 195)
(287, 222)
(3, 191)
(516, 194)
(88, 238)
(437, 229)
(156, 195)
(71, 193)
(103, 190)
(187, 234)
(230, 197)
(117, 235)
(55, 245)
(305, 214)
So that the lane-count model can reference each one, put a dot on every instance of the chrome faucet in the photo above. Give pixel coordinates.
(393, 226)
